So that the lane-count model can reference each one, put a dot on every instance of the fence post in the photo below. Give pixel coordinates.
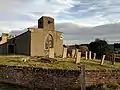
(83, 77)
(113, 59)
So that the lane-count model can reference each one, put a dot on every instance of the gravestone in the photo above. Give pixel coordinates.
(76, 50)
(78, 57)
(64, 52)
(89, 55)
(102, 61)
(73, 52)
(51, 52)
(94, 56)
(86, 55)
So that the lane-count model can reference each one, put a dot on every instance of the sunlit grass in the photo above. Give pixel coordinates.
(60, 63)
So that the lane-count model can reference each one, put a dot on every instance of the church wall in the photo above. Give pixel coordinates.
(22, 43)
(58, 44)
(3, 48)
(37, 48)
(38, 37)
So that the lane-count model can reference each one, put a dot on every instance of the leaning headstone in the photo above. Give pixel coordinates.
(51, 53)
(64, 52)
(78, 57)
(102, 61)
(86, 55)
(89, 55)
(94, 56)
(73, 52)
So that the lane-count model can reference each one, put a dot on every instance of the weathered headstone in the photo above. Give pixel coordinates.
(76, 50)
(94, 56)
(86, 55)
(51, 52)
(102, 61)
(73, 52)
(89, 55)
(64, 52)
(69, 55)
(78, 58)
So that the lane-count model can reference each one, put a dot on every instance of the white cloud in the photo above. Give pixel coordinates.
(74, 34)
(24, 12)
(82, 12)
(19, 14)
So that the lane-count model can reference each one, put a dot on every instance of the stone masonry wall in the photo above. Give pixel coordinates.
(46, 78)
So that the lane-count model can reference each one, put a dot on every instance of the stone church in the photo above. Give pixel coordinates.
(35, 41)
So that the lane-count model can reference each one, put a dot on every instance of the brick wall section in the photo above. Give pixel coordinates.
(46, 78)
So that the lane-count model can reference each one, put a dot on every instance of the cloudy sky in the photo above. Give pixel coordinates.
(76, 18)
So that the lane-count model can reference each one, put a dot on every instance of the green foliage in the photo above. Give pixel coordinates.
(100, 47)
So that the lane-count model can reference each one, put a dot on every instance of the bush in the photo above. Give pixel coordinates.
(100, 47)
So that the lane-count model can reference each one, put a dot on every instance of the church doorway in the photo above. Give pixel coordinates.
(11, 49)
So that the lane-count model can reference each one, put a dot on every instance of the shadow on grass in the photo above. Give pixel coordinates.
(18, 61)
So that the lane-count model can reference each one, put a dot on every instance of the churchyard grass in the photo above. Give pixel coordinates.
(58, 63)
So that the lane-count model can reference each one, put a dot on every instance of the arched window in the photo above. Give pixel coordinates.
(49, 42)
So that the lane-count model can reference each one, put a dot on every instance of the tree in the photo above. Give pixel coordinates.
(100, 47)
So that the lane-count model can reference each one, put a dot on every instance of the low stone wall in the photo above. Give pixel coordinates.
(47, 78)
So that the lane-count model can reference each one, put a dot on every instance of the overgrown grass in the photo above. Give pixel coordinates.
(59, 63)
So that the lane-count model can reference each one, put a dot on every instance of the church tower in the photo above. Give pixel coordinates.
(46, 23)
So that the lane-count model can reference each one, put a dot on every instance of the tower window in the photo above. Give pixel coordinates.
(49, 22)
